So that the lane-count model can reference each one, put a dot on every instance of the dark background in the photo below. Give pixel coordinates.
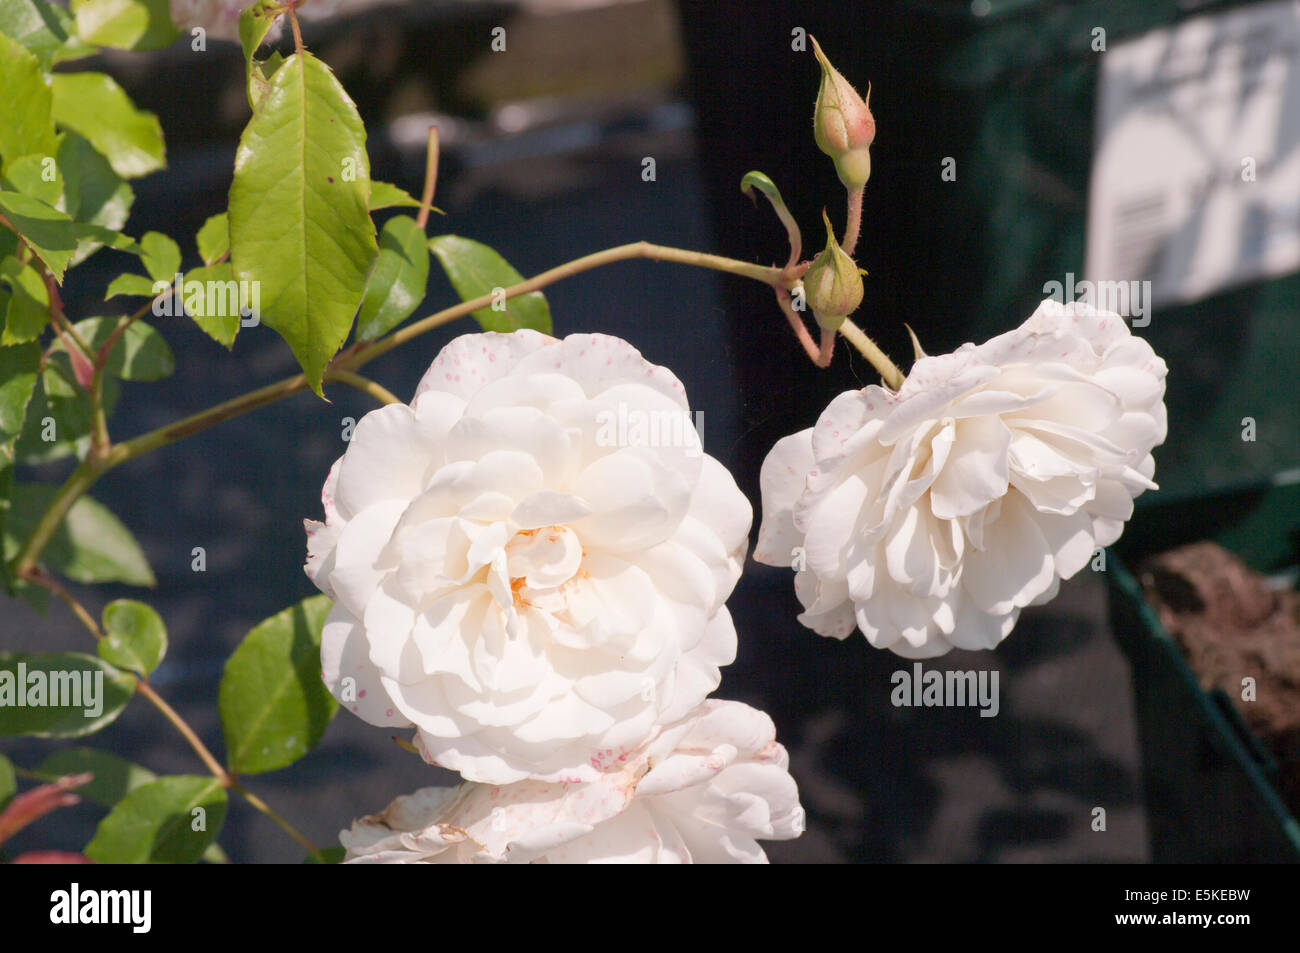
(543, 158)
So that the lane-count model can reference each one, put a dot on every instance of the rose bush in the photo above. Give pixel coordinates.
(523, 581)
(528, 564)
(932, 516)
(701, 791)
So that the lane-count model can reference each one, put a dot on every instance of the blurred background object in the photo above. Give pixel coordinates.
(545, 148)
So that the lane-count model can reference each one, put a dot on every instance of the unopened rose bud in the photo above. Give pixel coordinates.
(833, 284)
(843, 125)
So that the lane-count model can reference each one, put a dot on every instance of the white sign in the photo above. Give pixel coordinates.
(1196, 173)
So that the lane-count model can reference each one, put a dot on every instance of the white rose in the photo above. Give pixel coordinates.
(529, 563)
(702, 791)
(931, 517)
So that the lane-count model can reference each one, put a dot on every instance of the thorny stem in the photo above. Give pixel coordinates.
(828, 348)
(797, 325)
(292, 9)
(854, 224)
(819, 354)
(868, 348)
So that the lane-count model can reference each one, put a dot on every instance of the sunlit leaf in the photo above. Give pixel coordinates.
(274, 706)
(302, 164)
(95, 107)
(475, 270)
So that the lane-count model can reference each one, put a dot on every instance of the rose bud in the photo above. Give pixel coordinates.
(843, 125)
(833, 284)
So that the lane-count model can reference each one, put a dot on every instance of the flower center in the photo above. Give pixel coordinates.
(543, 558)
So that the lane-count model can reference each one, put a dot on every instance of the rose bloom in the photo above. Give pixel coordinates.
(702, 791)
(529, 562)
(931, 517)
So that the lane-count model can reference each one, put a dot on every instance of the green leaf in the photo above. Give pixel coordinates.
(114, 777)
(476, 270)
(18, 370)
(302, 164)
(25, 317)
(140, 354)
(383, 195)
(31, 175)
(91, 545)
(43, 28)
(105, 236)
(8, 781)
(27, 309)
(162, 256)
(134, 636)
(213, 238)
(213, 298)
(274, 706)
(60, 694)
(26, 127)
(47, 230)
(59, 418)
(54, 425)
(125, 24)
(92, 192)
(137, 285)
(155, 823)
(397, 285)
(254, 23)
(96, 108)
(28, 23)
(327, 855)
